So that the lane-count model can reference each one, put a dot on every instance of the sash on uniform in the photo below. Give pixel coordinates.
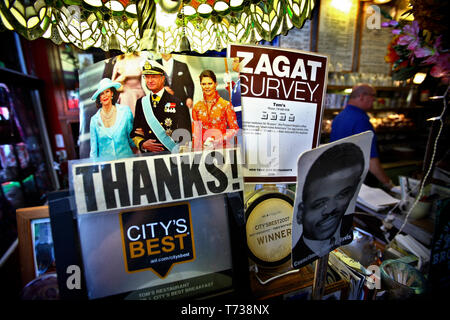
(156, 126)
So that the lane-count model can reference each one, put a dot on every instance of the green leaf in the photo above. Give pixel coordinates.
(386, 14)
(404, 73)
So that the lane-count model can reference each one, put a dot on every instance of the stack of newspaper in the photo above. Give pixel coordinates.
(350, 270)
(375, 198)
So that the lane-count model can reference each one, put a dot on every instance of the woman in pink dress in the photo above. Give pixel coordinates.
(127, 70)
(214, 120)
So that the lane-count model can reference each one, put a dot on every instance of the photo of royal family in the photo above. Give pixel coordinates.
(152, 103)
(323, 216)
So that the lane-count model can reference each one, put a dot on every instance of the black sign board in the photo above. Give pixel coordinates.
(157, 238)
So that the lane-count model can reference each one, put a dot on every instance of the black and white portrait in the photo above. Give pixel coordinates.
(329, 179)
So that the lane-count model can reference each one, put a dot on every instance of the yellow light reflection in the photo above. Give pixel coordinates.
(419, 77)
(164, 19)
(342, 5)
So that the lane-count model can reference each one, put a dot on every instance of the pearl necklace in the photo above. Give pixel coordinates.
(108, 115)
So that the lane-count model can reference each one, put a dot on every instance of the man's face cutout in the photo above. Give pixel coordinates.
(155, 82)
(327, 199)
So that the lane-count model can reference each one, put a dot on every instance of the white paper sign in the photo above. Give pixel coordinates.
(282, 94)
(141, 181)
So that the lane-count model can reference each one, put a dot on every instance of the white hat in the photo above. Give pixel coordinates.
(152, 67)
(104, 84)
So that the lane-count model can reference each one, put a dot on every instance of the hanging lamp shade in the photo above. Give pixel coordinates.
(130, 25)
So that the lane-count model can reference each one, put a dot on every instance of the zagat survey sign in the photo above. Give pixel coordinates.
(157, 238)
(282, 94)
(141, 181)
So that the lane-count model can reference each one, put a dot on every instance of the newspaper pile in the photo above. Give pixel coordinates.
(352, 271)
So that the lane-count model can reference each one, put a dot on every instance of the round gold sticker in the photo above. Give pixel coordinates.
(268, 229)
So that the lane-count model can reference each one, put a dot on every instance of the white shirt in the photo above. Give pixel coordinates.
(159, 93)
(168, 66)
(322, 247)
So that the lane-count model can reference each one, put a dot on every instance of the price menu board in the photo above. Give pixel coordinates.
(298, 38)
(336, 36)
(374, 43)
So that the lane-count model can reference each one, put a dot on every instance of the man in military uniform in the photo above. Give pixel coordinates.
(158, 115)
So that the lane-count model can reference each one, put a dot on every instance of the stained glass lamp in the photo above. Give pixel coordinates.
(162, 25)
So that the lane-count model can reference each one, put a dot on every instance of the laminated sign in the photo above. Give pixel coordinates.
(142, 181)
(166, 251)
(282, 94)
(157, 238)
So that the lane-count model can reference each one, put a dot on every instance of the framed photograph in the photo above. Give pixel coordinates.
(35, 242)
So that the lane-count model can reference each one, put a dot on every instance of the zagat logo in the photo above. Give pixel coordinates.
(157, 238)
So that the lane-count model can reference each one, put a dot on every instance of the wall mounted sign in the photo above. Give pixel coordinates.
(374, 43)
(282, 95)
(337, 29)
(298, 38)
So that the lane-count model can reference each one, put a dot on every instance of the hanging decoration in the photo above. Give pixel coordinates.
(163, 25)
(84, 23)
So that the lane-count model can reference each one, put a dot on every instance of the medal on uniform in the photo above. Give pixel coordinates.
(170, 107)
(168, 123)
(155, 99)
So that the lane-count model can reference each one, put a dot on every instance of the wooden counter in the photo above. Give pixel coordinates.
(292, 282)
